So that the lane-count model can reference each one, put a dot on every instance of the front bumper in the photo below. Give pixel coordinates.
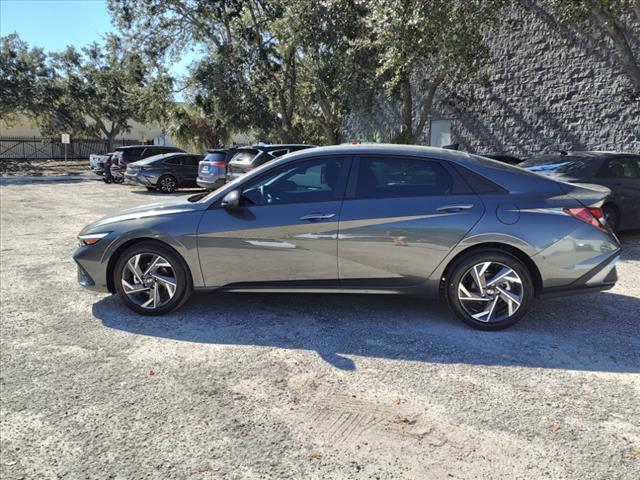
(140, 179)
(92, 269)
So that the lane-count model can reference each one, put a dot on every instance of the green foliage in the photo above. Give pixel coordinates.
(192, 129)
(26, 79)
(618, 21)
(427, 46)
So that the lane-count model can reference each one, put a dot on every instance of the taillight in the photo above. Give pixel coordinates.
(219, 164)
(592, 216)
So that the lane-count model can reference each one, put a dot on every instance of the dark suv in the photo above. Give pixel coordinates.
(166, 172)
(248, 158)
(133, 153)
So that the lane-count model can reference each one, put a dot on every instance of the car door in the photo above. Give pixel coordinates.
(400, 217)
(285, 230)
(622, 176)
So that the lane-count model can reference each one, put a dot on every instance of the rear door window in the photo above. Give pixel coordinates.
(388, 177)
(620, 168)
(173, 161)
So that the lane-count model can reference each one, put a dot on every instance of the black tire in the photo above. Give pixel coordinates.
(184, 284)
(167, 184)
(613, 218)
(107, 180)
(460, 271)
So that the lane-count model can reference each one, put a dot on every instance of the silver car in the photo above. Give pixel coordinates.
(485, 236)
(212, 171)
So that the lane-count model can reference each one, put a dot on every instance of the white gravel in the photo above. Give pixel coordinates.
(298, 386)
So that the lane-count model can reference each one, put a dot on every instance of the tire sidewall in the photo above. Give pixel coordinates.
(465, 263)
(183, 276)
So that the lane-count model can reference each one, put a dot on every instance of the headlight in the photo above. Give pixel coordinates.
(91, 238)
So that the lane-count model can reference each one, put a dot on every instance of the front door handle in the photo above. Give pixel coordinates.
(318, 216)
(456, 207)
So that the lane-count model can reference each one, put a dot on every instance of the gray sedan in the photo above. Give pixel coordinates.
(485, 236)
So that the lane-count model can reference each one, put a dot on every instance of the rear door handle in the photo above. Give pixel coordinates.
(318, 216)
(456, 207)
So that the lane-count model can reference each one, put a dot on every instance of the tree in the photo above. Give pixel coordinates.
(103, 89)
(238, 32)
(428, 46)
(26, 79)
(613, 19)
(190, 128)
(336, 72)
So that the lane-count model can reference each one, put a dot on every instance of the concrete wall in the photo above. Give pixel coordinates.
(551, 88)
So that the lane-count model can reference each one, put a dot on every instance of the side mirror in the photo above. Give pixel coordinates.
(231, 200)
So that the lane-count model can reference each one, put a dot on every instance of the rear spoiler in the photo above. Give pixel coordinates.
(589, 195)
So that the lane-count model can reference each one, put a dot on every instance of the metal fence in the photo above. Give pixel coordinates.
(43, 148)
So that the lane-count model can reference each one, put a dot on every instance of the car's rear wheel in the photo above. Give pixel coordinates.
(167, 184)
(611, 214)
(151, 279)
(489, 290)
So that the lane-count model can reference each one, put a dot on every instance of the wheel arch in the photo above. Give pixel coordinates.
(502, 248)
(113, 259)
(613, 205)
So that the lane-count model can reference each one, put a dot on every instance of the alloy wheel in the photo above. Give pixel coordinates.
(149, 280)
(167, 184)
(490, 292)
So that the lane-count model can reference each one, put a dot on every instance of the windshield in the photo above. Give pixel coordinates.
(215, 157)
(554, 164)
(244, 156)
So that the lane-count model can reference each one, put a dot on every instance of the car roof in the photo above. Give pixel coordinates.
(586, 154)
(161, 156)
(127, 147)
(277, 146)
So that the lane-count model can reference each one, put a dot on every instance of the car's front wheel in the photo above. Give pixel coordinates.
(151, 279)
(489, 290)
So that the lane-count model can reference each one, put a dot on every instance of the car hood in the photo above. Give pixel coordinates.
(145, 211)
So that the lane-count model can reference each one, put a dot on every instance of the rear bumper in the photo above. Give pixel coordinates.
(211, 182)
(602, 277)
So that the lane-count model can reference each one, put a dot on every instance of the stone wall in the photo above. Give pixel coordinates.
(551, 88)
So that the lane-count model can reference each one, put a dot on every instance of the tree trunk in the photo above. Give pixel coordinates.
(621, 43)
(407, 107)
(425, 110)
(110, 138)
(329, 123)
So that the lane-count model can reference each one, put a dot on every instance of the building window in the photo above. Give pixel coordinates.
(440, 133)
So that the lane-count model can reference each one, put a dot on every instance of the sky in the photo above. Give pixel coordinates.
(54, 24)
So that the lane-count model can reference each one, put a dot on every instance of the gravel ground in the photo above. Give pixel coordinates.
(11, 168)
(298, 386)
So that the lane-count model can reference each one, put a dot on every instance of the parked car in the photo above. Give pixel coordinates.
(166, 172)
(510, 159)
(96, 162)
(620, 172)
(486, 236)
(133, 153)
(212, 172)
(248, 158)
